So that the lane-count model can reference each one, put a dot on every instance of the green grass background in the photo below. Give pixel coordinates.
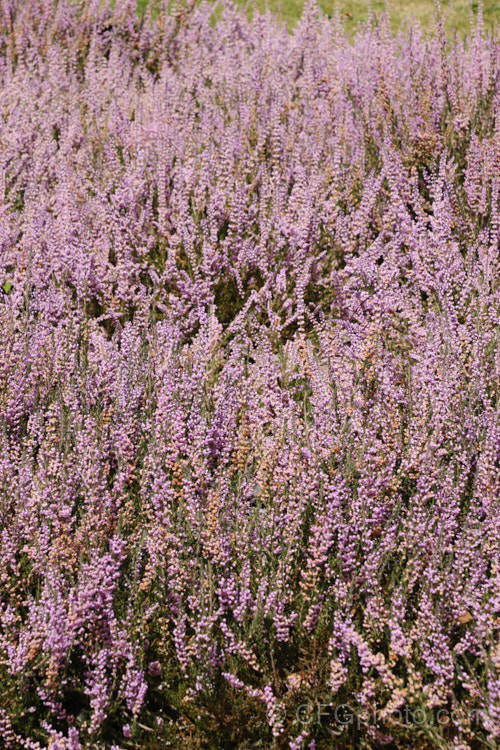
(457, 12)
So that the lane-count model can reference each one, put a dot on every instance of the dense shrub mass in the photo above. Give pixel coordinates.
(249, 367)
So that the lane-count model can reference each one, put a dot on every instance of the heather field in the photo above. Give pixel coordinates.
(249, 381)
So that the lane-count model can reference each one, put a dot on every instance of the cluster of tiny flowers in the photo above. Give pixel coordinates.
(249, 380)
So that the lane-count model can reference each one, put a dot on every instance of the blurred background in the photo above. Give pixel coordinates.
(457, 13)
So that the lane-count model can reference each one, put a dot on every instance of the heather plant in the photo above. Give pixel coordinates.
(249, 416)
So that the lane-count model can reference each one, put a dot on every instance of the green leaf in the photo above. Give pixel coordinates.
(7, 287)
